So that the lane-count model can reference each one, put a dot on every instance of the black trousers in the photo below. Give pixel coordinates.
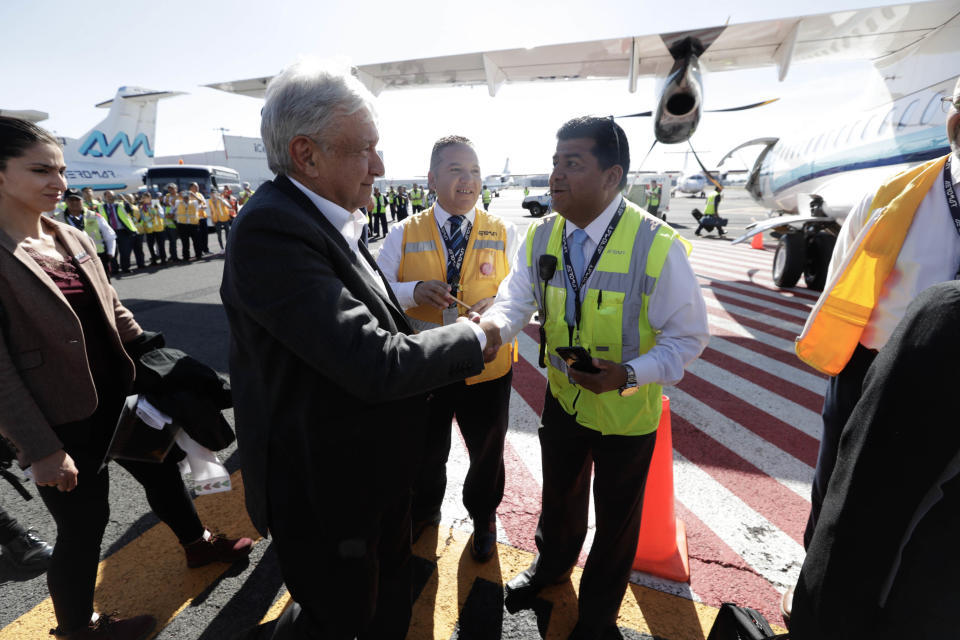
(842, 395)
(880, 563)
(128, 241)
(170, 234)
(189, 233)
(203, 235)
(81, 515)
(223, 233)
(481, 410)
(417, 208)
(9, 527)
(151, 246)
(157, 243)
(348, 568)
(379, 223)
(620, 465)
(401, 213)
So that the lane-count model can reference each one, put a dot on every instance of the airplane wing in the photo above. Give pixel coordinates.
(754, 228)
(30, 115)
(855, 34)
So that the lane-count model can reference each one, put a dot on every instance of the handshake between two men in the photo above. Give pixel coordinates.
(438, 294)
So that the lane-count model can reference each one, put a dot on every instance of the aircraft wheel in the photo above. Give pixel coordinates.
(818, 260)
(789, 260)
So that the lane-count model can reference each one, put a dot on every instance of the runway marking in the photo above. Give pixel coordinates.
(140, 577)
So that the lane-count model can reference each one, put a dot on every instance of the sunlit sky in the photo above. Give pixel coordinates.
(64, 57)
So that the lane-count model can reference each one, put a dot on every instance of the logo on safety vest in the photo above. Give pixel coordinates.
(486, 268)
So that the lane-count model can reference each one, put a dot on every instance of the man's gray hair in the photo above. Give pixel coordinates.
(305, 99)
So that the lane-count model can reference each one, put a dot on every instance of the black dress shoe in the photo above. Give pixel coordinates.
(484, 540)
(521, 591)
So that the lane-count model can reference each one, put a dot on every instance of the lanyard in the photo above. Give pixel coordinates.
(571, 276)
(951, 194)
(455, 261)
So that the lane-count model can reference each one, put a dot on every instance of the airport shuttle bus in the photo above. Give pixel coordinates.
(206, 176)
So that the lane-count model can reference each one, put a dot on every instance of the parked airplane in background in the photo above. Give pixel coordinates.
(820, 175)
(115, 153)
(500, 180)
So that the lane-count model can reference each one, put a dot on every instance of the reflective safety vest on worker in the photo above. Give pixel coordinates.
(92, 228)
(710, 209)
(613, 323)
(653, 197)
(188, 211)
(485, 265)
(486, 196)
(835, 325)
(380, 203)
(122, 215)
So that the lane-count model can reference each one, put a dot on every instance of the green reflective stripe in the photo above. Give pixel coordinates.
(419, 247)
(558, 362)
(611, 281)
(499, 245)
(538, 235)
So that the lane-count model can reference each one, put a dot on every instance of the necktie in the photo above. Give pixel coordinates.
(454, 244)
(112, 210)
(575, 245)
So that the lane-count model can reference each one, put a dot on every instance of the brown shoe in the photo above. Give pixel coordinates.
(110, 627)
(216, 548)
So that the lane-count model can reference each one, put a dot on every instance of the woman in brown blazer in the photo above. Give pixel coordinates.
(64, 375)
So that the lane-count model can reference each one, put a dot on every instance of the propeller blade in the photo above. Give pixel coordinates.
(642, 114)
(646, 156)
(706, 171)
(744, 107)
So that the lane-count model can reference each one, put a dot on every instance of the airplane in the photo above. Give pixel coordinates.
(502, 179)
(816, 177)
(115, 153)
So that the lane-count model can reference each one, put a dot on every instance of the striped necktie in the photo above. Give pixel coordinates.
(454, 244)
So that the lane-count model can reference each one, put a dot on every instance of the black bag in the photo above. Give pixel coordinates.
(741, 623)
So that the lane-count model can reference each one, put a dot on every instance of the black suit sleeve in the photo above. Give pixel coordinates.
(291, 279)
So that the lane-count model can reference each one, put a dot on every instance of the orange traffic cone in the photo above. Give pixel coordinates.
(662, 544)
(757, 241)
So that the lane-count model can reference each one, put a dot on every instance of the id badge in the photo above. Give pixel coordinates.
(450, 315)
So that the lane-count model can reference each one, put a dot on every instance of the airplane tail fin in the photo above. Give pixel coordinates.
(506, 168)
(127, 133)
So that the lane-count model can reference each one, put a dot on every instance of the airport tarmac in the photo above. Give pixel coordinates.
(745, 431)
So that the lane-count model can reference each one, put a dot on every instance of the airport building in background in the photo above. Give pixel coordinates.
(245, 155)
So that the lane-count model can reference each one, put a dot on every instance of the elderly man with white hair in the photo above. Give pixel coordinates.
(901, 239)
(329, 384)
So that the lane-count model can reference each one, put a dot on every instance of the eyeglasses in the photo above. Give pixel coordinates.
(947, 102)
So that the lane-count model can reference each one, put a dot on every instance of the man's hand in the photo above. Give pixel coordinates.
(482, 305)
(613, 375)
(433, 293)
(56, 470)
(494, 341)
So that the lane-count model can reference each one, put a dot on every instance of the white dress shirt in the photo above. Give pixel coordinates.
(930, 254)
(350, 226)
(677, 310)
(391, 253)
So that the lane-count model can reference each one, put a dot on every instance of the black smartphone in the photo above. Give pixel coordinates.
(577, 358)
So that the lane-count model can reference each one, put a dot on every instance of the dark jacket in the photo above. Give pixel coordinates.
(328, 388)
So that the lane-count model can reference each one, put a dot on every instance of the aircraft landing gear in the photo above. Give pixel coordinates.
(803, 253)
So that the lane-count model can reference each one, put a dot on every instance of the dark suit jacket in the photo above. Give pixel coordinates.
(882, 561)
(44, 376)
(328, 387)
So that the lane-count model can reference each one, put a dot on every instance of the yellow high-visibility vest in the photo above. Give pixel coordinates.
(485, 265)
(837, 321)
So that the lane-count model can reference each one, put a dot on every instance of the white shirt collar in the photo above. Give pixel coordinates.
(349, 224)
(442, 216)
(599, 224)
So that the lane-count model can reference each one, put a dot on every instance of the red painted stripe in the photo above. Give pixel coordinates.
(718, 574)
(775, 502)
(522, 500)
(750, 322)
(790, 391)
(759, 308)
(760, 295)
(770, 428)
(753, 344)
(748, 277)
(529, 383)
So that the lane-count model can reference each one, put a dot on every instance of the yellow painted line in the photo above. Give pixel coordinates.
(141, 577)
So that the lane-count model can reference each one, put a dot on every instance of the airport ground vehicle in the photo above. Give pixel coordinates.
(206, 176)
(537, 205)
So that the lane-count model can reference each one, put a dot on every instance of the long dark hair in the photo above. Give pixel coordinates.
(16, 136)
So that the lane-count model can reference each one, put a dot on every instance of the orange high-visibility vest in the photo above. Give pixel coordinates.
(485, 265)
(836, 323)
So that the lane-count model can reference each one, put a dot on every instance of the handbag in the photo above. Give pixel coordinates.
(741, 623)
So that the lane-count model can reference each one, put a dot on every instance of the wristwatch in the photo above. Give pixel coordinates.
(630, 387)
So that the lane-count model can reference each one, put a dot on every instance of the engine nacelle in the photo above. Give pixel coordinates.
(681, 101)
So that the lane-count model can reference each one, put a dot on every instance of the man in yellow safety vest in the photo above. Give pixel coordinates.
(440, 262)
(612, 286)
